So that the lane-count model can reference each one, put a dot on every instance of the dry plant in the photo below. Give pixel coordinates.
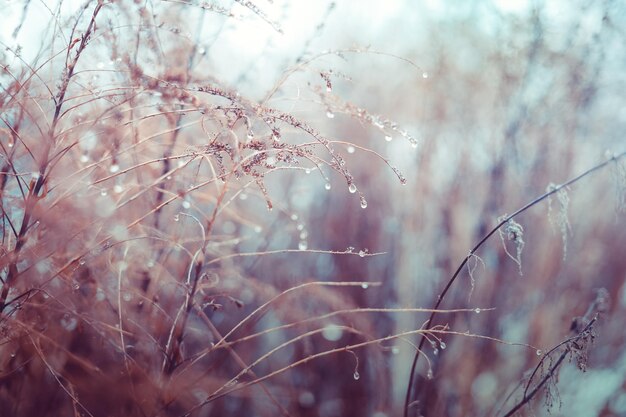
(130, 180)
(134, 188)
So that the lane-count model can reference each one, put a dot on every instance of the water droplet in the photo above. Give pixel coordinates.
(100, 65)
(435, 351)
(69, 322)
(395, 350)
(350, 249)
(303, 245)
(300, 227)
(127, 296)
(307, 171)
(304, 234)
(477, 310)
(424, 75)
(81, 261)
(76, 286)
(100, 296)
(118, 189)
(10, 144)
(413, 143)
(363, 203)
(13, 354)
(351, 149)
(186, 204)
(97, 93)
(356, 375)
(539, 352)
(365, 285)
(327, 186)
(429, 374)
(362, 253)
(352, 188)
(202, 51)
(176, 217)
(243, 196)
(114, 168)
(330, 114)
(103, 192)
(332, 332)
(250, 135)
(232, 383)
(443, 346)
(258, 229)
(388, 138)
(294, 217)
(84, 158)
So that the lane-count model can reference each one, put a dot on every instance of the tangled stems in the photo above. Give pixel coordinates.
(472, 252)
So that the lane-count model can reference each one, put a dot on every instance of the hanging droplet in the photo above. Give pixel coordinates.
(350, 249)
(539, 352)
(413, 143)
(81, 261)
(435, 351)
(388, 138)
(186, 204)
(443, 346)
(202, 51)
(356, 375)
(429, 374)
(117, 188)
(352, 188)
(303, 245)
(294, 217)
(327, 186)
(330, 114)
(424, 75)
(84, 158)
(363, 203)
(351, 149)
(477, 310)
(176, 217)
(114, 168)
(103, 192)
(10, 144)
(365, 285)
(307, 171)
(395, 350)
(362, 253)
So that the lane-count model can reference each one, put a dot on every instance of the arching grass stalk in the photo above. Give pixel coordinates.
(503, 221)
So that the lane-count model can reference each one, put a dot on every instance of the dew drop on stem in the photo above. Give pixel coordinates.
(356, 375)
(477, 310)
(539, 352)
(176, 217)
(330, 114)
(365, 285)
(429, 374)
(388, 138)
(327, 186)
(352, 188)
